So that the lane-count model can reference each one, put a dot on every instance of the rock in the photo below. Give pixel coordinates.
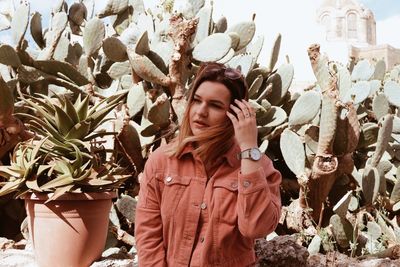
(281, 251)
(330, 259)
(116, 253)
(341, 260)
(22, 244)
(6, 243)
(127, 206)
(297, 218)
(114, 257)
(114, 263)
(378, 263)
(17, 258)
(24, 228)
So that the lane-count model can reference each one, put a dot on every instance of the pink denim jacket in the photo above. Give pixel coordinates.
(180, 214)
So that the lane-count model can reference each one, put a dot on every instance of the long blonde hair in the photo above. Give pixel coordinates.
(218, 139)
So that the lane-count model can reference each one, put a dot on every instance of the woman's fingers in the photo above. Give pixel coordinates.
(250, 108)
(238, 111)
(241, 112)
(232, 117)
(245, 108)
(244, 122)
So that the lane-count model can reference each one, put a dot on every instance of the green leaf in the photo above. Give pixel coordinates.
(98, 116)
(37, 147)
(60, 191)
(275, 52)
(8, 56)
(79, 131)
(61, 180)
(82, 108)
(93, 36)
(41, 111)
(47, 105)
(6, 171)
(293, 152)
(77, 163)
(36, 30)
(63, 121)
(33, 184)
(84, 176)
(19, 23)
(71, 111)
(63, 167)
(10, 187)
(37, 128)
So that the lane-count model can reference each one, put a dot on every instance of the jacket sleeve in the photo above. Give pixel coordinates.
(259, 201)
(148, 223)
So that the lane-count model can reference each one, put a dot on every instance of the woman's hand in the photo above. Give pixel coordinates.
(244, 124)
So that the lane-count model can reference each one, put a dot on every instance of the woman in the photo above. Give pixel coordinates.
(205, 197)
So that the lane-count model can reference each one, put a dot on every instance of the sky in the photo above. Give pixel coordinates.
(383, 8)
(294, 19)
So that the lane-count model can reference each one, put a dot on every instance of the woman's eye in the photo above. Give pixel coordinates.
(216, 106)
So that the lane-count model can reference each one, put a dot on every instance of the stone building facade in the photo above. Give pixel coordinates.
(347, 21)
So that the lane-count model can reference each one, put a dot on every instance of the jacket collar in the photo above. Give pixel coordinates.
(230, 156)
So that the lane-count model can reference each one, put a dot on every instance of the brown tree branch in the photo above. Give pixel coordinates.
(181, 33)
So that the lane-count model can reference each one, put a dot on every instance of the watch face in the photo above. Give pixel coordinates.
(255, 154)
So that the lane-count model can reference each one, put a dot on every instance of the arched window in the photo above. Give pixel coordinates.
(326, 21)
(352, 26)
(370, 31)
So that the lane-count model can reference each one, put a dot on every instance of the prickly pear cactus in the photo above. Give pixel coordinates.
(336, 144)
(77, 65)
(341, 145)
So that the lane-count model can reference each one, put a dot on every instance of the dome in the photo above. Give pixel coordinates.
(339, 3)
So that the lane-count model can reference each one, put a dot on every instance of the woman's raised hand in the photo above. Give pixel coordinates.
(244, 123)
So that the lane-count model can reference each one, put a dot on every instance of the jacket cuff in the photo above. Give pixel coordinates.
(252, 182)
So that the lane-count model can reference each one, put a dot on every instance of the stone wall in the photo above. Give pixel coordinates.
(390, 54)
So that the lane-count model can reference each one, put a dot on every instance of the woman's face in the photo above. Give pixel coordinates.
(209, 106)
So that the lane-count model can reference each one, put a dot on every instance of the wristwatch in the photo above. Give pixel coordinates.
(251, 153)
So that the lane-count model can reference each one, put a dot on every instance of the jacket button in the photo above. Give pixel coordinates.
(246, 184)
(201, 239)
(203, 206)
(168, 179)
(234, 185)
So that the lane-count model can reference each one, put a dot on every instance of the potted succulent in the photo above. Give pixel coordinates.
(66, 177)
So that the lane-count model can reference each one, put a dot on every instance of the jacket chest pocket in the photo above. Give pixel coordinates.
(174, 188)
(226, 194)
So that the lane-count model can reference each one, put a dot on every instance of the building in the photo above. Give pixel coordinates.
(349, 22)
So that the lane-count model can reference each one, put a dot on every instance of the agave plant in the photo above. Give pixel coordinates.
(63, 156)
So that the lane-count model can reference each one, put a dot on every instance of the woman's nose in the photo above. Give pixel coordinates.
(202, 110)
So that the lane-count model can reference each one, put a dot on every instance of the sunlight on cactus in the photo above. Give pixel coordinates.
(89, 96)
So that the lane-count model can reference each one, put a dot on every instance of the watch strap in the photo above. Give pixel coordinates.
(245, 154)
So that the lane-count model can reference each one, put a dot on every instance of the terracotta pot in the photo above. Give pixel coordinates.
(70, 231)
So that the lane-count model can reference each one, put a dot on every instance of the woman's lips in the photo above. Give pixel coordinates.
(200, 124)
